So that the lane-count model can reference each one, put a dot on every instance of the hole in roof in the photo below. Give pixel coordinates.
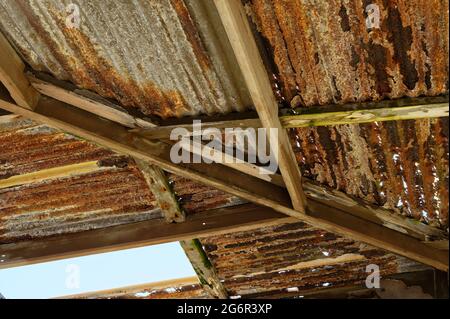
(96, 272)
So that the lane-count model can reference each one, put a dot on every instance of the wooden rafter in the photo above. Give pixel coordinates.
(13, 77)
(210, 223)
(159, 185)
(352, 113)
(204, 268)
(110, 112)
(412, 112)
(238, 30)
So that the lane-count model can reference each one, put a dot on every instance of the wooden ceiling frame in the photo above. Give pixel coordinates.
(320, 213)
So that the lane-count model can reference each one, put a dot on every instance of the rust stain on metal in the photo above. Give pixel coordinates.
(400, 165)
(149, 56)
(195, 197)
(115, 194)
(181, 292)
(324, 53)
(295, 256)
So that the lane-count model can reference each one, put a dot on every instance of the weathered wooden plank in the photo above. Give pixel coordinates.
(238, 30)
(117, 292)
(13, 78)
(88, 104)
(366, 116)
(402, 109)
(203, 267)
(215, 222)
(51, 173)
(159, 185)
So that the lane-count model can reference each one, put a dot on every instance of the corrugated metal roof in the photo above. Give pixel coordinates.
(113, 193)
(195, 197)
(293, 258)
(322, 52)
(160, 57)
(401, 165)
(178, 292)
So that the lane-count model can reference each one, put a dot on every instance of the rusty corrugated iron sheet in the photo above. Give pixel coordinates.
(115, 193)
(27, 147)
(195, 197)
(401, 165)
(177, 292)
(292, 258)
(323, 52)
(159, 57)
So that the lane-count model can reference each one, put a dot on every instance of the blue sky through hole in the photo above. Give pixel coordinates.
(96, 272)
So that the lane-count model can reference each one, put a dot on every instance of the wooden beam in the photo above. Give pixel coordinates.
(51, 173)
(13, 78)
(117, 292)
(112, 113)
(204, 268)
(402, 109)
(117, 138)
(216, 222)
(211, 223)
(236, 25)
(380, 236)
(159, 186)
(374, 213)
(230, 161)
(392, 110)
(163, 132)
(366, 116)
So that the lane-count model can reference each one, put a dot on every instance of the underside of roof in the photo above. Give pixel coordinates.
(169, 61)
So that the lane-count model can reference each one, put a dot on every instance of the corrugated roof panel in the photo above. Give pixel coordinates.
(324, 52)
(149, 55)
(194, 291)
(195, 197)
(294, 257)
(113, 192)
(400, 165)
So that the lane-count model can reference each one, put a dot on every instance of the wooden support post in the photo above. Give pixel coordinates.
(13, 78)
(172, 211)
(246, 51)
(159, 185)
(204, 268)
